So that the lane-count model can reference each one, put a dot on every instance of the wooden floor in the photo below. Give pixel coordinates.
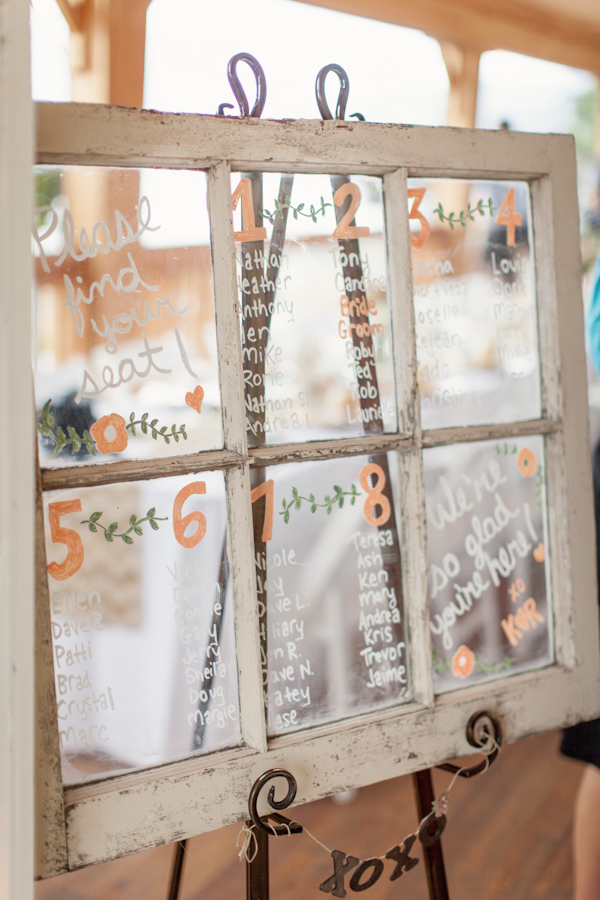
(507, 838)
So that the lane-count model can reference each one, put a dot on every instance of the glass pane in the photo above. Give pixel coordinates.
(329, 588)
(475, 302)
(142, 624)
(125, 351)
(489, 583)
(315, 315)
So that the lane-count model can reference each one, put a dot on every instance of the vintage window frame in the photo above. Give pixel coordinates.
(17, 485)
(109, 818)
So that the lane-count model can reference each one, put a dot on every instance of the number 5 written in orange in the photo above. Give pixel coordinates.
(67, 536)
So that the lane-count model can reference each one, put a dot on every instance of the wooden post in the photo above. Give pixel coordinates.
(108, 40)
(462, 64)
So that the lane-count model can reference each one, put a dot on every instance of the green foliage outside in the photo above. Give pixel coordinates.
(584, 118)
(46, 186)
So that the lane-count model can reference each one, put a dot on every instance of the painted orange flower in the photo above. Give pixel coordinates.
(526, 462)
(110, 434)
(463, 662)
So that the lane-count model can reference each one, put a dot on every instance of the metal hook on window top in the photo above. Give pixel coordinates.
(340, 110)
(483, 732)
(238, 90)
(283, 826)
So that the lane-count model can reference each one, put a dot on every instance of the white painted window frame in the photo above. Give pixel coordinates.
(131, 812)
(17, 478)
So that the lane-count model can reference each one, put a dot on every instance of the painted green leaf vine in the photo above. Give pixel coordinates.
(465, 215)
(135, 525)
(96, 439)
(329, 501)
(278, 212)
(57, 435)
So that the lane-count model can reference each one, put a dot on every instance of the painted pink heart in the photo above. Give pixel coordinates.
(539, 554)
(194, 398)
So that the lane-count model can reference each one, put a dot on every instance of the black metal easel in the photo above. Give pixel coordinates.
(482, 729)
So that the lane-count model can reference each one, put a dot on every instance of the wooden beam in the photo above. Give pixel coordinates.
(490, 25)
(108, 50)
(127, 51)
(462, 64)
(73, 11)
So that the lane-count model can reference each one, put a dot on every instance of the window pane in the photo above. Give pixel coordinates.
(315, 315)
(144, 655)
(330, 591)
(489, 584)
(125, 321)
(475, 302)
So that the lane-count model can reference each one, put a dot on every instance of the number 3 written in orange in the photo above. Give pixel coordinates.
(416, 195)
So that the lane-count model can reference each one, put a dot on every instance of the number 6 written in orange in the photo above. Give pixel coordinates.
(72, 540)
(181, 522)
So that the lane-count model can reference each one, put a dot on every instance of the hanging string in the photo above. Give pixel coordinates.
(486, 749)
(440, 808)
(249, 836)
(316, 840)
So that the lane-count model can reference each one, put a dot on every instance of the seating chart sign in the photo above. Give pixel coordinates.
(330, 594)
(316, 327)
(475, 303)
(145, 574)
(311, 489)
(141, 620)
(488, 576)
(125, 358)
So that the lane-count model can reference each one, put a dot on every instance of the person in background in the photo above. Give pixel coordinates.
(582, 741)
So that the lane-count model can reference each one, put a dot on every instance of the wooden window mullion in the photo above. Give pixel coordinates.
(239, 512)
(412, 489)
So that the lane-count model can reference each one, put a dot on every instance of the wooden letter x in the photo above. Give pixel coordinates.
(404, 862)
(335, 884)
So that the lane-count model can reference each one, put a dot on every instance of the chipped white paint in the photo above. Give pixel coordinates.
(412, 489)
(116, 135)
(17, 481)
(154, 808)
(50, 834)
(132, 812)
(140, 470)
(239, 513)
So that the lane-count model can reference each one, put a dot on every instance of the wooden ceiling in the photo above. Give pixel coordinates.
(108, 40)
(567, 33)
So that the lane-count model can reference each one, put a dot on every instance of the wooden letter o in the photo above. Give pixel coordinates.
(376, 865)
(431, 829)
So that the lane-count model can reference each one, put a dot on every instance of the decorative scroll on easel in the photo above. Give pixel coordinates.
(351, 872)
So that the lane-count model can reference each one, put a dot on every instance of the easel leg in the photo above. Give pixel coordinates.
(176, 870)
(433, 856)
(257, 871)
